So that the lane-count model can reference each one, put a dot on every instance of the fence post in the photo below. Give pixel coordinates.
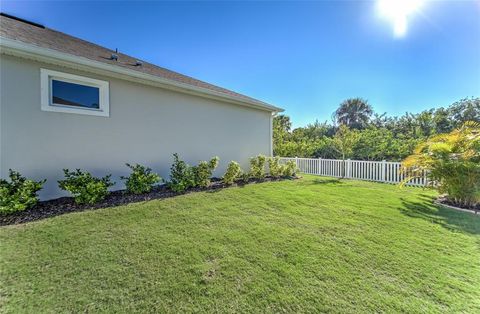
(296, 162)
(348, 170)
(384, 171)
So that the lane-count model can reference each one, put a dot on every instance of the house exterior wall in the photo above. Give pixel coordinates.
(146, 125)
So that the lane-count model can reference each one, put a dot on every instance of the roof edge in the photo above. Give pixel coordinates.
(29, 51)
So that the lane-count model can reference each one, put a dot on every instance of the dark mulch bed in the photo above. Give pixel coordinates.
(64, 205)
(445, 201)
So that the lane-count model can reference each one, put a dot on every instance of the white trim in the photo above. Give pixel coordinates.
(21, 49)
(46, 77)
(271, 132)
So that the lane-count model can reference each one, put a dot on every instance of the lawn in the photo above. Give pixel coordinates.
(309, 245)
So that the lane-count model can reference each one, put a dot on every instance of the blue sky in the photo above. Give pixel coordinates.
(305, 57)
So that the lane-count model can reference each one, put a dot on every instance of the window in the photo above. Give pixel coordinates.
(63, 92)
(71, 94)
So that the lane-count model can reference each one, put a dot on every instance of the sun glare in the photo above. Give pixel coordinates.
(398, 12)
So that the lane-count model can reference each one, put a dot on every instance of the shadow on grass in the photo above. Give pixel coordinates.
(331, 181)
(446, 217)
(213, 191)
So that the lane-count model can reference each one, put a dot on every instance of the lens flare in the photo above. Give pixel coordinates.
(398, 12)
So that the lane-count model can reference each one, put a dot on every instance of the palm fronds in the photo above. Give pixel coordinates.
(453, 162)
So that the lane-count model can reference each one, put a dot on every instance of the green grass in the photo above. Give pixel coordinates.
(308, 245)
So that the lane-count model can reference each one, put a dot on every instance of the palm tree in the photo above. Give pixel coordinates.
(354, 113)
(453, 163)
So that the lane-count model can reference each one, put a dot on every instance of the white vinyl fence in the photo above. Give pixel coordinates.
(378, 171)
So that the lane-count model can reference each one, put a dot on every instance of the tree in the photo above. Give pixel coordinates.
(318, 130)
(325, 148)
(354, 113)
(344, 141)
(374, 144)
(281, 133)
(282, 123)
(466, 109)
(425, 123)
(453, 162)
(380, 120)
(442, 120)
(383, 137)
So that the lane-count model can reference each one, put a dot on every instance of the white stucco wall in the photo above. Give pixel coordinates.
(146, 125)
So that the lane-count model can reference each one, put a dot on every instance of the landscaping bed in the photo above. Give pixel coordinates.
(442, 200)
(65, 205)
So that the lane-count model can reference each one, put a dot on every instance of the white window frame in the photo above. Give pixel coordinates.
(46, 77)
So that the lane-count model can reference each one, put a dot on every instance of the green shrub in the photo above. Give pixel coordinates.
(18, 194)
(85, 188)
(257, 167)
(452, 161)
(274, 167)
(233, 172)
(289, 169)
(203, 172)
(182, 175)
(141, 180)
(245, 177)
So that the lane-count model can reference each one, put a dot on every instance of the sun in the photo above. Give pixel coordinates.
(398, 12)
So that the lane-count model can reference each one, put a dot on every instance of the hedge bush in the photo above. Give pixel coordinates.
(257, 166)
(289, 169)
(203, 172)
(141, 179)
(18, 194)
(232, 173)
(21, 193)
(85, 188)
(275, 169)
(245, 177)
(182, 176)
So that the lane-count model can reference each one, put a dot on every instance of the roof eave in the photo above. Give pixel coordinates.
(21, 49)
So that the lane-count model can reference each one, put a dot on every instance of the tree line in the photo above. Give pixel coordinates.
(357, 132)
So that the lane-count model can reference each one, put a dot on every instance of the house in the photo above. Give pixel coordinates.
(68, 103)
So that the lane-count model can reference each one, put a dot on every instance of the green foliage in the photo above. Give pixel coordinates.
(289, 169)
(182, 175)
(344, 141)
(141, 179)
(203, 172)
(381, 144)
(245, 177)
(378, 137)
(354, 113)
(281, 133)
(18, 194)
(257, 166)
(467, 109)
(277, 170)
(453, 162)
(85, 188)
(301, 148)
(274, 167)
(232, 173)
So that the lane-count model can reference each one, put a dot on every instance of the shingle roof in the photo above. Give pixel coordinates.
(48, 38)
